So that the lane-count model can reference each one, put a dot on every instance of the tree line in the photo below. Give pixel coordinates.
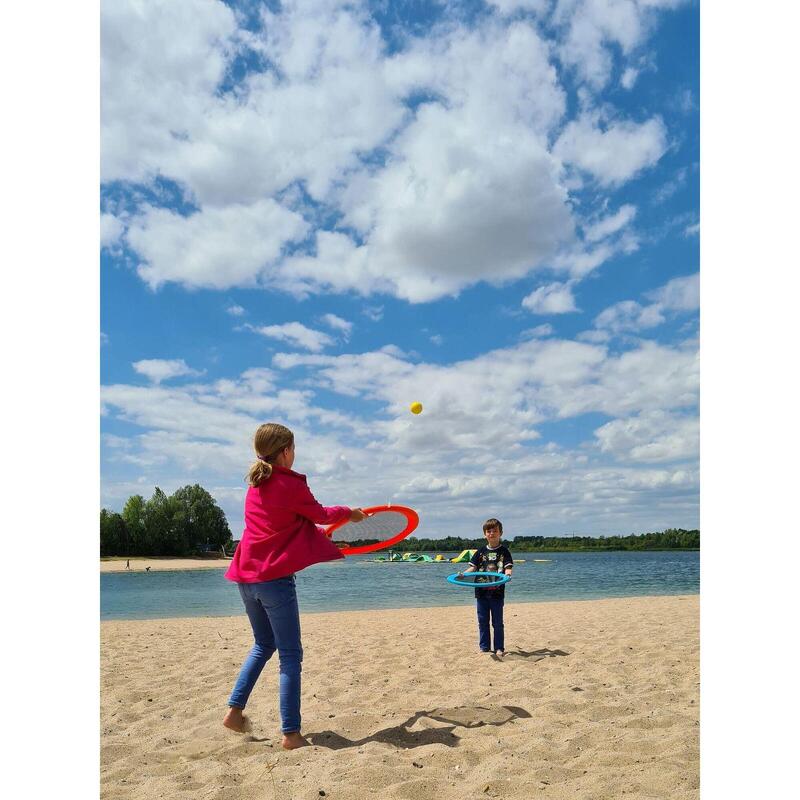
(188, 522)
(670, 539)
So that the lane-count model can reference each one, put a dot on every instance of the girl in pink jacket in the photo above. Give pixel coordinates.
(281, 537)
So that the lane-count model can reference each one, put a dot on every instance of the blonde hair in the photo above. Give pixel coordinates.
(270, 441)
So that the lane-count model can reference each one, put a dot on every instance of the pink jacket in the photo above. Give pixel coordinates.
(280, 536)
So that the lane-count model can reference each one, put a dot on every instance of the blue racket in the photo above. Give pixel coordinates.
(479, 580)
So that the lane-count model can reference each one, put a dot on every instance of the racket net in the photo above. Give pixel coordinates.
(480, 578)
(378, 527)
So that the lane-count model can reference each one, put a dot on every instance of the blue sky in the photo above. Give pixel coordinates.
(318, 212)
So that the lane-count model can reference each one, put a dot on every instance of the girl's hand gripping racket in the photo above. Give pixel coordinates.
(383, 527)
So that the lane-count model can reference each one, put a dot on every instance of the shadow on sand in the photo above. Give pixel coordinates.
(400, 736)
(536, 655)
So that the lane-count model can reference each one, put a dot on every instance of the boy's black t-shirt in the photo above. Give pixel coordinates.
(484, 559)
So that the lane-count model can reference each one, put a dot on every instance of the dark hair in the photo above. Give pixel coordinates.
(492, 523)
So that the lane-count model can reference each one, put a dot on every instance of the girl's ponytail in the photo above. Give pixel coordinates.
(270, 440)
(259, 471)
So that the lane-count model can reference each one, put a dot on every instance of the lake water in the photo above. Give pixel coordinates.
(357, 583)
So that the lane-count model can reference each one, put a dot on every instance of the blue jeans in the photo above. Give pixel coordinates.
(490, 607)
(275, 618)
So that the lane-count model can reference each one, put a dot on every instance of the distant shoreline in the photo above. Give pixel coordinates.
(163, 563)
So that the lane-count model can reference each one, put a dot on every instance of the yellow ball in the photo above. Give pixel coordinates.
(416, 408)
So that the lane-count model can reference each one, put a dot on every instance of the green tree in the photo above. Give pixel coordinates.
(133, 514)
(185, 523)
(202, 521)
(113, 534)
(164, 528)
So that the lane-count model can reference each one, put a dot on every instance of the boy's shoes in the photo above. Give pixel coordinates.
(500, 653)
(485, 651)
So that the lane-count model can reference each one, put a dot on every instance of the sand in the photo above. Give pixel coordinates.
(595, 699)
(159, 564)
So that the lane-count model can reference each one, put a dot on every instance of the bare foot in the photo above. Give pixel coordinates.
(293, 740)
(236, 720)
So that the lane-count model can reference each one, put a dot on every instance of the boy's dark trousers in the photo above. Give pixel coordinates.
(490, 607)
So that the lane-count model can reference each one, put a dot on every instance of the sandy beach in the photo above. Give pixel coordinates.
(159, 564)
(595, 699)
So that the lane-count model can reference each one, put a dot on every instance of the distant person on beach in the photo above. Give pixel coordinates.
(128, 564)
(280, 538)
(494, 556)
(147, 569)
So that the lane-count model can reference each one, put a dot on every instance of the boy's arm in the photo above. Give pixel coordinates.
(473, 564)
(471, 567)
(509, 564)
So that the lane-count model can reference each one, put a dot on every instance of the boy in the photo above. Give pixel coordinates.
(491, 557)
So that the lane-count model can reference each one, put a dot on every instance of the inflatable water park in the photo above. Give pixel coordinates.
(423, 558)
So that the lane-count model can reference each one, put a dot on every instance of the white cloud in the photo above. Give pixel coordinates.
(206, 429)
(235, 310)
(679, 294)
(603, 239)
(540, 331)
(532, 381)
(692, 230)
(467, 189)
(162, 113)
(651, 437)
(648, 378)
(374, 313)
(510, 6)
(111, 230)
(504, 72)
(629, 315)
(159, 369)
(628, 78)
(684, 102)
(592, 28)
(613, 153)
(594, 336)
(214, 248)
(461, 176)
(590, 25)
(297, 334)
(463, 201)
(669, 188)
(338, 324)
(554, 298)
(161, 62)
(580, 261)
(609, 225)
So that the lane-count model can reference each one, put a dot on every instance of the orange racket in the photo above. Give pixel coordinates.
(384, 526)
